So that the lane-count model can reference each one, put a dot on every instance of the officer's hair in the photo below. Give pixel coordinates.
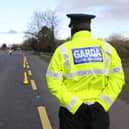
(81, 26)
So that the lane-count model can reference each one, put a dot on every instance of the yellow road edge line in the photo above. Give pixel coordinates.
(33, 84)
(44, 118)
(30, 73)
(24, 62)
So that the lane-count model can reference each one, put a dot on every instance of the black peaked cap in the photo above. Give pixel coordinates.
(80, 18)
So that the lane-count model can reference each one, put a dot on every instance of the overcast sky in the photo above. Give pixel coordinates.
(112, 16)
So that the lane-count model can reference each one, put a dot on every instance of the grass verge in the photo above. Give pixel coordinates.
(126, 71)
(45, 57)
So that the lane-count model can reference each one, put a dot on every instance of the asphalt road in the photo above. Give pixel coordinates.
(20, 103)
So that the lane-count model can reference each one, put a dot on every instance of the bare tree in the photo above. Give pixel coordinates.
(40, 19)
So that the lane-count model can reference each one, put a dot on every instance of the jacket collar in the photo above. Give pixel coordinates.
(82, 35)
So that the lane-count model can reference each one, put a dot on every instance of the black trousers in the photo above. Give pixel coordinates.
(90, 119)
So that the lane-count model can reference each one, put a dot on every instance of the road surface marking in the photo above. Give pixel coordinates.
(34, 87)
(28, 66)
(30, 73)
(24, 62)
(44, 118)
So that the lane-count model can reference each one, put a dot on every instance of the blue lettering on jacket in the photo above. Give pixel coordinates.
(87, 55)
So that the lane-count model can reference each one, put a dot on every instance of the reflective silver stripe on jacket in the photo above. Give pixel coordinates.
(107, 99)
(108, 53)
(86, 73)
(72, 102)
(54, 75)
(92, 72)
(116, 70)
(89, 103)
(66, 57)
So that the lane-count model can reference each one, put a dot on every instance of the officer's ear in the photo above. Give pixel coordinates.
(70, 26)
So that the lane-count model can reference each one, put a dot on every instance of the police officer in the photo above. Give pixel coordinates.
(86, 76)
(10, 51)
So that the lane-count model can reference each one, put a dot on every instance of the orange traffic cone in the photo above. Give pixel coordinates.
(25, 78)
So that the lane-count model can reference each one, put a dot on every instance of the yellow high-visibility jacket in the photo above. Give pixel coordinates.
(85, 70)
